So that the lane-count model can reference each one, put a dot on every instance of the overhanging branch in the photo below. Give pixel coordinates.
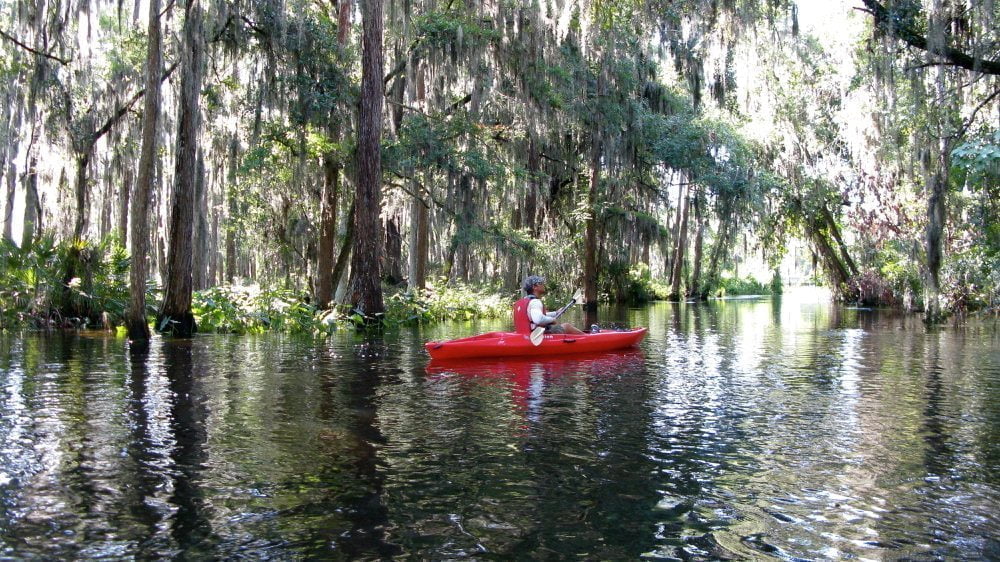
(900, 29)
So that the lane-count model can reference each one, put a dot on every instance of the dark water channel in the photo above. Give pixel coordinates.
(741, 429)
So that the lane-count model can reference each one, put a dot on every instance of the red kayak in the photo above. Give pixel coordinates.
(513, 344)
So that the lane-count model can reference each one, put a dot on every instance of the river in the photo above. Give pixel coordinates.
(744, 429)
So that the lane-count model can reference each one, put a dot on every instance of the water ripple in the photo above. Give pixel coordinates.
(748, 430)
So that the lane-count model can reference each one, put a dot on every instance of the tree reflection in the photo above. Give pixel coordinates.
(144, 463)
(367, 511)
(191, 527)
(938, 456)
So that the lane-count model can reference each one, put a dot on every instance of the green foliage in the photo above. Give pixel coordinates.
(444, 302)
(109, 279)
(443, 28)
(978, 161)
(737, 286)
(251, 310)
(899, 270)
(776, 287)
(972, 279)
(432, 141)
(35, 293)
(127, 55)
(630, 283)
(26, 276)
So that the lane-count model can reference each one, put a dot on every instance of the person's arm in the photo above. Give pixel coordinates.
(538, 318)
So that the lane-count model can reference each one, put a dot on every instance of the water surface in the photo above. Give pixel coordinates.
(743, 429)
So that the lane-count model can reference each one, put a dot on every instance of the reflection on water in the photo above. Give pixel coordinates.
(740, 429)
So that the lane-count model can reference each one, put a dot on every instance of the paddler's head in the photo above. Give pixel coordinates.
(534, 285)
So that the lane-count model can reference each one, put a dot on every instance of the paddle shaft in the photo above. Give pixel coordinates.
(564, 309)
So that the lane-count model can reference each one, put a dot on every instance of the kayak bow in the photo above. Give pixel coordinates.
(513, 344)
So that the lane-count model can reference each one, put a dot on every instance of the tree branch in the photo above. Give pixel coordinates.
(409, 107)
(972, 117)
(125, 108)
(459, 102)
(13, 40)
(412, 194)
(886, 21)
(430, 194)
(170, 6)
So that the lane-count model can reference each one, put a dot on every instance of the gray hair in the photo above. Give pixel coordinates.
(530, 281)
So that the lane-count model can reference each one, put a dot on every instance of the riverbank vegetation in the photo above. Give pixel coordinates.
(402, 161)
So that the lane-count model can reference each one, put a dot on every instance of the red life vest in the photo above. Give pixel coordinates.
(522, 322)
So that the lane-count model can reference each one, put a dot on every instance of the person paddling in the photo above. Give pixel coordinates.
(529, 312)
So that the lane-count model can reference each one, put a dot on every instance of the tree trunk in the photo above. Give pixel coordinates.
(845, 255)
(366, 290)
(175, 314)
(934, 239)
(510, 272)
(680, 247)
(837, 272)
(328, 231)
(675, 232)
(8, 213)
(82, 192)
(200, 244)
(531, 197)
(11, 164)
(125, 199)
(135, 317)
(393, 252)
(590, 236)
(460, 254)
(109, 196)
(32, 208)
(345, 250)
(213, 262)
(695, 283)
(418, 244)
(419, 211)
(722, 240)
(936, 212)
(232, 210)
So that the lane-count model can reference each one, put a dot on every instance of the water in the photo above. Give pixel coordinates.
(743, 429)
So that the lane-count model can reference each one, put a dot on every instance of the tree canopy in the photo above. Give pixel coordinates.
(640, 149)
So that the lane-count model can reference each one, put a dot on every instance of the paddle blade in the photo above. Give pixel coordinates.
(537, 335)
(578, 295)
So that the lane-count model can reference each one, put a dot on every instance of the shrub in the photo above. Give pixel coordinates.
(971, 279)
(868, 288)
(633, 284)
(25, 278)
(249, 309)
(444, 302)
(79, 284)
(737, 286)
(776, 287)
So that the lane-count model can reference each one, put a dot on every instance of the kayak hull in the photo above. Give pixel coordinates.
(513, 344)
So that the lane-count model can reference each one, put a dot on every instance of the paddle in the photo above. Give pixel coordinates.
(538, 334)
